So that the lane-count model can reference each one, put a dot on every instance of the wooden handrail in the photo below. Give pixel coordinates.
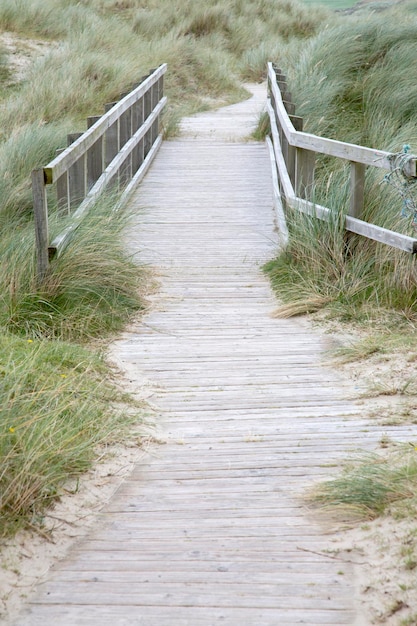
(295, 182)
(117, 148)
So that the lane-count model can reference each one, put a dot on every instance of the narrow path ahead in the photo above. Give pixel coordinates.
(210, 528)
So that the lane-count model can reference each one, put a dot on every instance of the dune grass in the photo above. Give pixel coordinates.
(373, 483)
(57, 404)
(354, 82)
(90, 291)
(57, 398)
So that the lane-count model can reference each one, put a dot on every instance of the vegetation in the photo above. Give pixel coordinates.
(373, 483)
(57, 398)
(353, 81)
(57, 404)
(90, 288)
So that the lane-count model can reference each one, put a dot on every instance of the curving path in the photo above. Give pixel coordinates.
(210, 528)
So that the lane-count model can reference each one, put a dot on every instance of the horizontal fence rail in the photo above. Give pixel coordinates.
(293, 155)
(114, 152)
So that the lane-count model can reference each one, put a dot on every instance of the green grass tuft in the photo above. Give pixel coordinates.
(371, 484)
(91, 290)
(57, 404)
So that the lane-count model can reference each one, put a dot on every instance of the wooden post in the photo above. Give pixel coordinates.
(137, 115)
(62, 192)
(357, 194)
(137, 121)
(94, 156)
(76, 177)
(305, 161)
(125, 129)
(282, 84)
(284, 146)
(288, 105)
(40, 211)
(111, 138)
(148, 109)
(357, 189)
(161, 88)
(154, 102)
(297, 122)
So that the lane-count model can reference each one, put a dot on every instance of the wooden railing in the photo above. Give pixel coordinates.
(293, 155)
(115, 151)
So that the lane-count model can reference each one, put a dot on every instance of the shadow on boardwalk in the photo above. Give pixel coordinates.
(210, 528)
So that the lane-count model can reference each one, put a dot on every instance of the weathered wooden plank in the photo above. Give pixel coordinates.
(193, 596)
(218, 553)
(357, 189)
(305, 161)
(284, 179)
(77, 177)
(180, 616)
(279, 210)
(223, 574)
(95, 156)
(291, 563)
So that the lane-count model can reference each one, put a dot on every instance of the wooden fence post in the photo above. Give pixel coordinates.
(154, 102)
(40, 210)
(288, 104)
(125, 130)
(357, 189)
(62, 192)
(125, 127)
(111, 138)
(357, 196)
(137, 121)
(147, 100)
(297, 122)
(76, 177)
(305, 161)
(94, 156)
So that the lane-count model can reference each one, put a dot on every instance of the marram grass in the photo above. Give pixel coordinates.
(57, 403)
(373, 483)
(353, 81)
(90, 291)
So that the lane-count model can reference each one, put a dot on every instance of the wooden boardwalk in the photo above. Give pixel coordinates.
(210, 528)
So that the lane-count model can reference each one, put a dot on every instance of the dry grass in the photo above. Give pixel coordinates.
(372, 483)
